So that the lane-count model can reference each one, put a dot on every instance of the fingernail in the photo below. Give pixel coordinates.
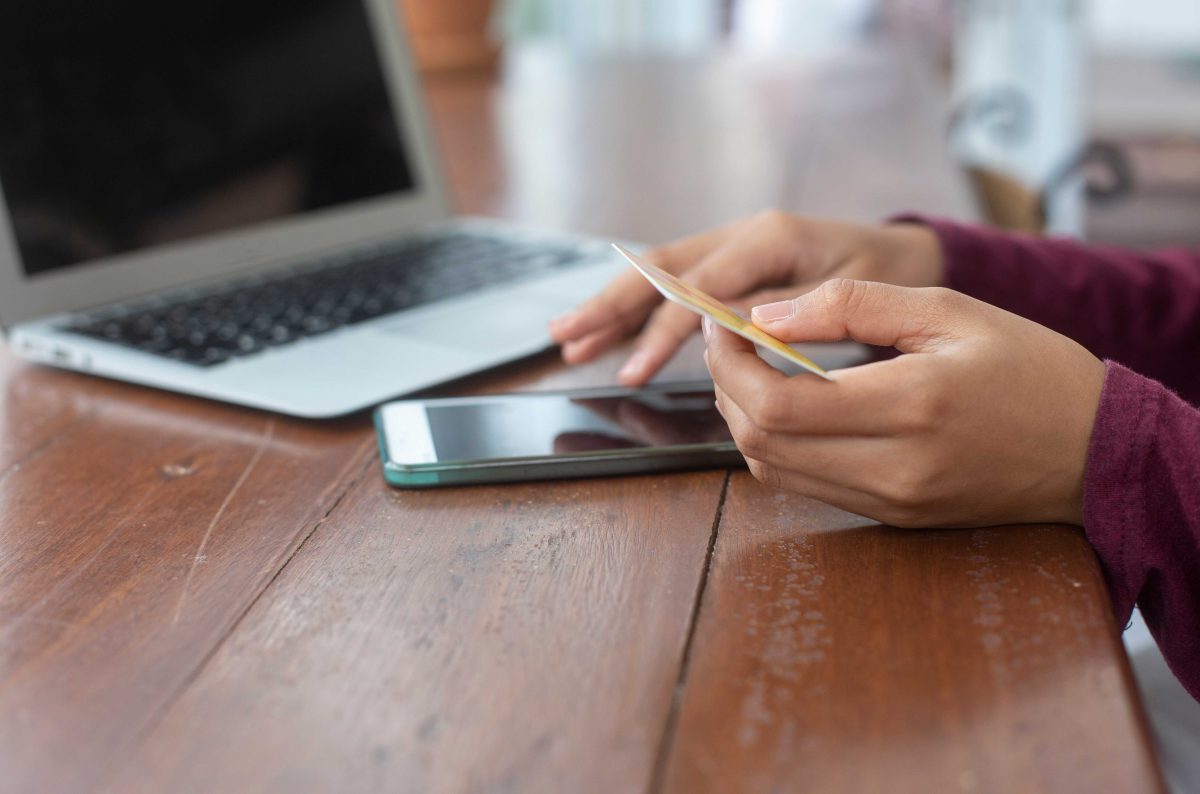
(706, 324)
(773, 312)
(717, 403)
(560, 320)
(634, 366)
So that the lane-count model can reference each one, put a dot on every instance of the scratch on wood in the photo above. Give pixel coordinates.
(199, 556)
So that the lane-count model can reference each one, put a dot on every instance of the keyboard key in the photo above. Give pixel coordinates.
(312, 299)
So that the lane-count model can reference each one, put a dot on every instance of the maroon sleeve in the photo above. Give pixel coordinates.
(1141, 309)
(1141, 512)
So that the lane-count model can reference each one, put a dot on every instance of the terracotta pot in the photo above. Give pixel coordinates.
(451, 35)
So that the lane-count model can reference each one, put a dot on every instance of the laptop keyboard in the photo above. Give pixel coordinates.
(252, 315)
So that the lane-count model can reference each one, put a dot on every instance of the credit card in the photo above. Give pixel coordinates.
(675, 290)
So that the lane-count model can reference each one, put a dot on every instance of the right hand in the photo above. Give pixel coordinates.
(990, 413)
(769, 257)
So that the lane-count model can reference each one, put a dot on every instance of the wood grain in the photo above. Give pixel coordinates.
(31, 423)
(522, 638)
(833, 654)
(130, 544)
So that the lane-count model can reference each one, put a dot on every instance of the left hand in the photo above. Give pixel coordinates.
(985, 420)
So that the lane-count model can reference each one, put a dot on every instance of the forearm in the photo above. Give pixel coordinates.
(1142, 512)
(1140, 309)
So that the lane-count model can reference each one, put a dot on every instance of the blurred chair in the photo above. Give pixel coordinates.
(1165, 208)
(1008, 203)
(1011, 204)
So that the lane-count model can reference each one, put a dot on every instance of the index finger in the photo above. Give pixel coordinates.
(857, 402)
(628, 298)
(757, 258)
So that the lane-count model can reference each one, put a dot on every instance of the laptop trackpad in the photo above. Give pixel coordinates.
(481, 329)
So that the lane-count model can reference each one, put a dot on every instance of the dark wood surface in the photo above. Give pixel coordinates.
(197, 597)
(832, 654)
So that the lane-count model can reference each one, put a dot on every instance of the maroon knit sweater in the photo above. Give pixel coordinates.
(1141, 313)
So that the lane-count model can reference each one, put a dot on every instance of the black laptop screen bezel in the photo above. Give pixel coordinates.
(255, 247)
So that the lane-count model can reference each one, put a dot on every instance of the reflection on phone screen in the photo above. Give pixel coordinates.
(546, 424)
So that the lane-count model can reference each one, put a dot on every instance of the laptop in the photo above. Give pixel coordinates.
(240, 199)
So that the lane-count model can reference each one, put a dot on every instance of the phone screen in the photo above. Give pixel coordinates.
(515, 437)
(537, 425)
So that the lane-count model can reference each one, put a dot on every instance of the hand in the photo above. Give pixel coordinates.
(764, 258)
(986, 420)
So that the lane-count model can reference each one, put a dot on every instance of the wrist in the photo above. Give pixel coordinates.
(1087, 397)
(910, 255)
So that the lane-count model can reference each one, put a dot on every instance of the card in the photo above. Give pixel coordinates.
(675, 290)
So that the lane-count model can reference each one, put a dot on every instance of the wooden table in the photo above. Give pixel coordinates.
(198, 597)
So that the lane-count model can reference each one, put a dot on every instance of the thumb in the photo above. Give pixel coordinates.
(909, 319)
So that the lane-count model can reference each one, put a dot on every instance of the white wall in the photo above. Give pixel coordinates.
(1151, 26)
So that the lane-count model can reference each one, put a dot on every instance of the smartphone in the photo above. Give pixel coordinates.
(552, 435)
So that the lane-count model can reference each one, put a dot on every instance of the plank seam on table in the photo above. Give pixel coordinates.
(668, 733)
(367, 449)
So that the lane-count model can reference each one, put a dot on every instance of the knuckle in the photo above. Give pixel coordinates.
(767, 475)
(942, 304)
(659, 257)
(904, 490)
(773, 219)
(771, 411)
(912, 491)
(844, 294)
(943, 297)
(753, 441)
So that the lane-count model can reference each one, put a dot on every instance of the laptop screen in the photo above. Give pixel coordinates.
(135, 123)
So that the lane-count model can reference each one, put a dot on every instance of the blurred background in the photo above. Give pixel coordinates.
(1078, 117)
